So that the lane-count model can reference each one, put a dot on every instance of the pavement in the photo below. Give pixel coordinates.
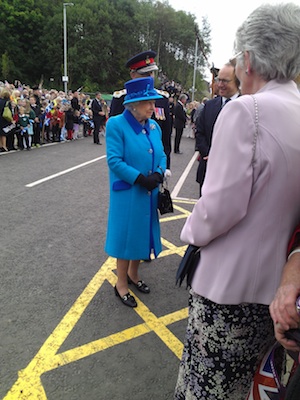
(64, 334)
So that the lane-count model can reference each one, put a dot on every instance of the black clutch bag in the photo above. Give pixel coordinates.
(188, 265)
(165, 204)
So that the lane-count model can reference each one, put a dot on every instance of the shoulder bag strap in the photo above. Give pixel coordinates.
(256, 128)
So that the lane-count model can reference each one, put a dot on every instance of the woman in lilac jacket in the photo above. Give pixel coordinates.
(243, 221)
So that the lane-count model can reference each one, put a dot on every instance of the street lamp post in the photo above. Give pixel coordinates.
(65, 78)
(195, 69)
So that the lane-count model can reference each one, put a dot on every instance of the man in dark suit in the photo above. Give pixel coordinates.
(228, 87)
(179, 121)
(142, 65)
(98, 115)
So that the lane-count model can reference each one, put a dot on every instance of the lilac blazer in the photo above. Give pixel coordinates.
(247, 213)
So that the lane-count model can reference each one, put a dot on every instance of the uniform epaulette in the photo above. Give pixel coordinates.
(163, 93)
(119, 93)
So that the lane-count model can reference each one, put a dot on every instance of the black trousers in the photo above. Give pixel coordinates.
(36, 133)
(178, 135)
(166, 139)
(97, 123)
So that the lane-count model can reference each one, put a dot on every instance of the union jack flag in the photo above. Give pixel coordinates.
(266, 383)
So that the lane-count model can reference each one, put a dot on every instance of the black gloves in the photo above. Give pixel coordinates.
(149, 182)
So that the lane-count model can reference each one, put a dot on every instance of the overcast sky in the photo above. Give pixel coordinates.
(224, 18)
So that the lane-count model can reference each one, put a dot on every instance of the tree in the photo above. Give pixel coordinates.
(102, 35)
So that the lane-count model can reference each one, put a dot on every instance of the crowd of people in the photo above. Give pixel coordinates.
(40, 116)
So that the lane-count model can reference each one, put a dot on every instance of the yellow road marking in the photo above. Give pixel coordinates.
(29, 385)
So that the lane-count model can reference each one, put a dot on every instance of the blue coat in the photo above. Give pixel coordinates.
(133, 230)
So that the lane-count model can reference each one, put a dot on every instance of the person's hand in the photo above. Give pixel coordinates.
(168, 173)
(283, 307)
(283, 340)
(149, 182)
(205, 158)
(284, 314)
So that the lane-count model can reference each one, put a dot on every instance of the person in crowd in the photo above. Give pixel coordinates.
(12, 134)
(191, 111)
(37, 121)
(228, 88)
(140, 66)
(105, 109)
(24, 126)
(31, 115)
(75, 101)
(4, 122)
(69, 121)
(36, 92)
(137, 163)
(57, 122)
(47, 119)
(179, 121)
(87, 122)
(76, 121)
(199, 108)
(98, 115)
(250, 179)
(171, 113)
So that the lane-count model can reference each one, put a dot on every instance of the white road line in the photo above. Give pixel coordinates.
(66, 171)
(183, 177)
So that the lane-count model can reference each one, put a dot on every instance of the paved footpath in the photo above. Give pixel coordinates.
(64, 334)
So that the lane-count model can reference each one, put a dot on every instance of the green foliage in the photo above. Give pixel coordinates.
(102, 35)
(6, 65)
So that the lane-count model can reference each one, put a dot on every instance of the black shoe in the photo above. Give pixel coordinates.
(127, 299)
(178, 152)
(147, 259)
(141, 285)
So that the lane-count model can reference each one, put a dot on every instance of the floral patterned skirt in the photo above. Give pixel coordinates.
(223, 346)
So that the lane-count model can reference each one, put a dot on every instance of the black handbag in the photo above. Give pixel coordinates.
(165, 204)
(188, 265)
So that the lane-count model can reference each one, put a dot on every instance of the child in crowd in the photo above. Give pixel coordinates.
(24, 125)
(57, 118)
(69, 118)
(31, 115)
(36, 125)
(86, 119)
(76, 116)
(47, 115)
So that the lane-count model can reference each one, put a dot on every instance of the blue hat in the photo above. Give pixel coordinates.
(140, 89)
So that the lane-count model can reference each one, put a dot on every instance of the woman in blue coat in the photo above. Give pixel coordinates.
(136, 162)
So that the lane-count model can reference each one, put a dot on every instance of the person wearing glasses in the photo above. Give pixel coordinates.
(247, 212)
(228, 89)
